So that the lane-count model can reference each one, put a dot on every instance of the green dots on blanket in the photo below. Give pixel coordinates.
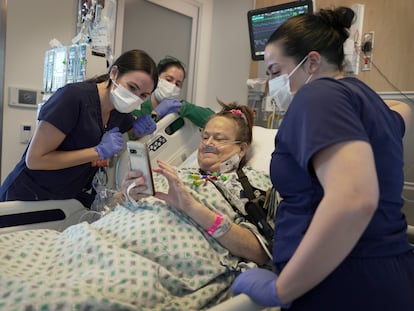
(154, 258)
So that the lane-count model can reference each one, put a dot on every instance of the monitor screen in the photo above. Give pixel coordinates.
(262, 22)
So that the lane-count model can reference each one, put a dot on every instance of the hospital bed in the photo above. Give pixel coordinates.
(177, 147)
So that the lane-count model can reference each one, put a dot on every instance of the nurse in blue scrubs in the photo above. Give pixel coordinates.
(80, 125)
(340, 240)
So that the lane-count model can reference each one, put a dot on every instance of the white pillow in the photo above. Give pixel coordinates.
(260, 151)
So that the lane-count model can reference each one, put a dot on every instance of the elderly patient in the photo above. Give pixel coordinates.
(178, 250)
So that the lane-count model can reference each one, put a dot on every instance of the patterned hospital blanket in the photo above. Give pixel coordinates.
(149, 258)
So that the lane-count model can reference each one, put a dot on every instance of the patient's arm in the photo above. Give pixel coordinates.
(238, 240)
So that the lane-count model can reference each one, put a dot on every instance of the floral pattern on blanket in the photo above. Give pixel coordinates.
(148, 258)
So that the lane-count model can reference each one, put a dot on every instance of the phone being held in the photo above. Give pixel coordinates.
(139, 161)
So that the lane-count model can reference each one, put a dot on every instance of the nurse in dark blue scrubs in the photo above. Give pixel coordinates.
(79, 125)
(340, 240)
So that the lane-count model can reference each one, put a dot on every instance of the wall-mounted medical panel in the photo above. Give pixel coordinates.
(24, 98)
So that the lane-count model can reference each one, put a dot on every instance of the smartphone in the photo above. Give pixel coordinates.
(139, 160)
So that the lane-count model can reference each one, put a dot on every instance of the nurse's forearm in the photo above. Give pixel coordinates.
(61, 159)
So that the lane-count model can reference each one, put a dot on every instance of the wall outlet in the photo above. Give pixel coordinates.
(26, 131)
(367, 46)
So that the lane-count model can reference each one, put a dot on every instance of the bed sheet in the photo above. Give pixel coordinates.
(108, 266)
(144, 257)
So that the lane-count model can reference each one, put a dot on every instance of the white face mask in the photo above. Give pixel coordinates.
(279, 88)
(230, 164)
(124, 100)
(166, 89)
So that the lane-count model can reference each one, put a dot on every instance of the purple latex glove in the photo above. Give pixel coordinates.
(111, 143)
(167, 106)
(260, 285)
(144, 125)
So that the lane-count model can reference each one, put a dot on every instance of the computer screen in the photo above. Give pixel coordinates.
(263, 22)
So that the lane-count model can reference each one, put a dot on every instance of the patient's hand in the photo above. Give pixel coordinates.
(129, 178)
(178, 195)
(136, 192)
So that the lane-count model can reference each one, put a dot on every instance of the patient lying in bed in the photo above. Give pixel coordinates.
(174, 251)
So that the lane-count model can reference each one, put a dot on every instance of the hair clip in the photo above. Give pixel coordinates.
(236, 112)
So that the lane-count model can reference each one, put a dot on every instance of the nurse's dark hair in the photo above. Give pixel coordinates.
(169, 61)
(324, 32)
(243, 116)
(133, 60)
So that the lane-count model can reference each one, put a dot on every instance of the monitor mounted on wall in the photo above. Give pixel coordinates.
(262, 22)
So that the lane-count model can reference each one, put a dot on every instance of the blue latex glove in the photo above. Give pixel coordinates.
(111, 143)
(167, 106)
(260, 285)
(144, 125)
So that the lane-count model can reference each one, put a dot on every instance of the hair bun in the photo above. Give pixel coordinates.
(340, 18)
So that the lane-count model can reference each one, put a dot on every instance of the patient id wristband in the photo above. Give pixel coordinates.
(221, 225)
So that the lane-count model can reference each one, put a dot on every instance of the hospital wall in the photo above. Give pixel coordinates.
(30, 27)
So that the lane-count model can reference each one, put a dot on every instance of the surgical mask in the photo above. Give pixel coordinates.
(230, 164)
(166, 89)
(279, 88)
(124, 100)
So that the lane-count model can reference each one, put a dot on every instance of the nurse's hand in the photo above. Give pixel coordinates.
(260, 285)
(144, 125)
(167, 106)
(111, 143)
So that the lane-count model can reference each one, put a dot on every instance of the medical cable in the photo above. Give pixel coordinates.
(128, 196)
(273, 113)
(213, 148)
(361, 55)
(271, 117)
